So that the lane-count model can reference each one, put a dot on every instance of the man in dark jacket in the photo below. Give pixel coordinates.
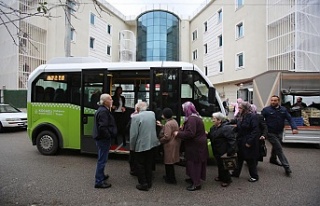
(275, 115)
(104, 129)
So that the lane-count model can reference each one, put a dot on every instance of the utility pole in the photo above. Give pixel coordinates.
(67, 39)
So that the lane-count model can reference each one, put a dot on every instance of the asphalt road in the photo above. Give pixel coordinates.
(29, 178)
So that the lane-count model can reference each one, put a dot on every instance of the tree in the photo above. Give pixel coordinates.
(11, 14)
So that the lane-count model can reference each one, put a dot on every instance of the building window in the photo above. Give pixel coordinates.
(239, 3)
(220, 41)
(195, 55)
(73, 34)
(219, 16)
(206, 70)
(205, 26)
(220, 66)
(240, 61)
(194, 35)
(108, 50)
(109, 29)
(92, 18)
(239, 29)
(91, 42)
(206, 48)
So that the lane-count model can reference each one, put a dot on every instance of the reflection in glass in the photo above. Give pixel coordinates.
(160, 29)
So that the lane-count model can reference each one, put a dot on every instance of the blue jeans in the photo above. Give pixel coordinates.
(103, 152)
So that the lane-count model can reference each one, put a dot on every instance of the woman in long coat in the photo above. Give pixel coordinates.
(171, 145)
(223, 141)
(196, 150)
(248, 135)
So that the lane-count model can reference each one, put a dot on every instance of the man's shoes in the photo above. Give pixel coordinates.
(189, 180)
(106, 177)
(143, 187)
(103, 185)
(251, 179)
(225, 184)
(275, 162)
(193, 188)
(217, 179)
(288, 172)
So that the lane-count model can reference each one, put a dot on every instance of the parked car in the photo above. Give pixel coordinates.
(11, 117)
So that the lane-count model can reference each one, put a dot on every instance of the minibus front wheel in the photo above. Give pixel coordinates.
(47, 143)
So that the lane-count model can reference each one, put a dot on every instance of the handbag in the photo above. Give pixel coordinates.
(229, 162)
(263, 149)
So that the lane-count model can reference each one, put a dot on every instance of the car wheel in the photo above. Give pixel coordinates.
(1, 128)
(47, 143)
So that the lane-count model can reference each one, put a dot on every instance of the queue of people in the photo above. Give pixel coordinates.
(242, 137)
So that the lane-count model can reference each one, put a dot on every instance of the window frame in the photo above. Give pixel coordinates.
(238, 6)
(92, 18)
(195, 54)
(238, 55)
(205, 26)
(220, 41)
(195, 35)
(109, 29)
(108, 50)
(220, 66)
(219, 16)
(91, 42)
(240, 30)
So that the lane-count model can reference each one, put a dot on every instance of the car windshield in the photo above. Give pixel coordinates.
(8, 109)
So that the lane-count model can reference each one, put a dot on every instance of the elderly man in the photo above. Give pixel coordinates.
(143, 139)
(103, 131)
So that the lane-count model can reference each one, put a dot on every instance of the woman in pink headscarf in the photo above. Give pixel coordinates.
(236, 106)
(196, 150)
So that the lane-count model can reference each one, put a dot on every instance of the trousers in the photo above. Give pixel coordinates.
(276, 151)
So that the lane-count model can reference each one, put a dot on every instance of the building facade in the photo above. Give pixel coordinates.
(234, 41)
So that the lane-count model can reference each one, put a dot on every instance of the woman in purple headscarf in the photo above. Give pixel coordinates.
(196, 151)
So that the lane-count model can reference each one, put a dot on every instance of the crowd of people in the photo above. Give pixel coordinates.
(241, 137)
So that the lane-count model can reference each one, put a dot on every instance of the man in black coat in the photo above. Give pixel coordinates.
(103, 131)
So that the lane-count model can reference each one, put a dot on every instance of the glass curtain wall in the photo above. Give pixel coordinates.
(158, 36)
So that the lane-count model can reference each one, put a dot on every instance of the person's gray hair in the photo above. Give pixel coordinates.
(103, 98)
(219, 116)
(143, 106)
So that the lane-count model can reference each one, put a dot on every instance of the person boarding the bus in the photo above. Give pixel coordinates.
(104, 130)
(119, 109)
(171, 145)
(275, 115)
(143, 140)
(195, 141)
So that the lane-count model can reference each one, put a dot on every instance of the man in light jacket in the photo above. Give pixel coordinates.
(143, 139)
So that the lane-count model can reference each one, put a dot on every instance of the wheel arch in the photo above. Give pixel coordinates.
(47, 126)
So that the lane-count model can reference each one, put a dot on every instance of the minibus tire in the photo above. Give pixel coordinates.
(47, 143)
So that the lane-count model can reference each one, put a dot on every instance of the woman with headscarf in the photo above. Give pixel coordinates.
(194, 136)
(236, 107)
(248, 134)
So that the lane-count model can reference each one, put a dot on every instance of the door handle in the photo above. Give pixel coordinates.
(85, 120)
